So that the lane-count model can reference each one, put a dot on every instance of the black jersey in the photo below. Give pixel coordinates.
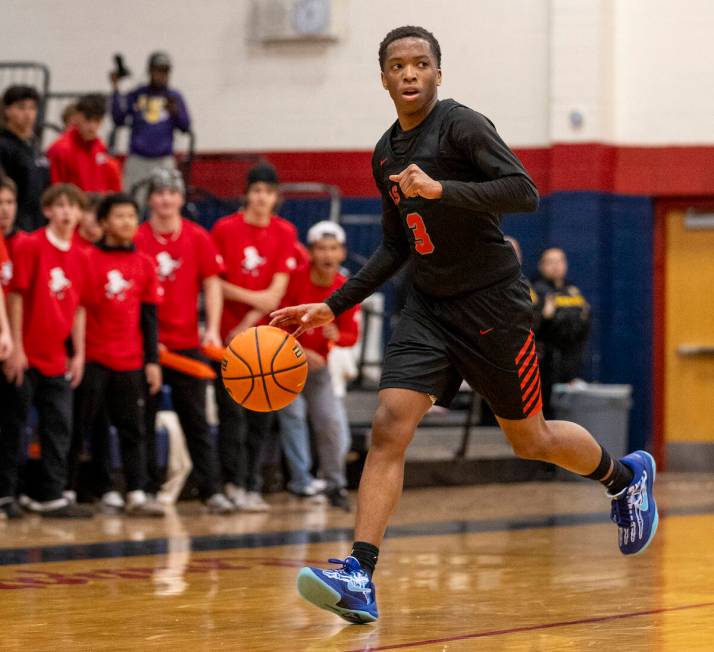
(455, 242)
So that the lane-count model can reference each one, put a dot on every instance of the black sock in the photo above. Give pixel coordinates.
(366, 554)
(620, 477)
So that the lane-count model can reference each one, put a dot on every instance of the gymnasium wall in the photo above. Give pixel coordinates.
(637, 71)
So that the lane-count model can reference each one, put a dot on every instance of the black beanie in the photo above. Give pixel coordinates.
(262, 172)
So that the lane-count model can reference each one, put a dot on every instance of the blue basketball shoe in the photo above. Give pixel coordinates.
(346, 591)
(634, 509)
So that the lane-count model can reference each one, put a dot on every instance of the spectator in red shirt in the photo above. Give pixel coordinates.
(88, 230)
(5, 338)
(313, 283)
(258, 250)
(79, 156)
(47, 287)
(121, 351)
(10, 426)
(186, 262)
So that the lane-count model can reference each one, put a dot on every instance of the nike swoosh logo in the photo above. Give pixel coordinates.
(382, 162)
(486, 332)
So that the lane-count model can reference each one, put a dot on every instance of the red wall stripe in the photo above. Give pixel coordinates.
(654, 171)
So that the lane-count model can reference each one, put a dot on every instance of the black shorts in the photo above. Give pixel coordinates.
(484, 338)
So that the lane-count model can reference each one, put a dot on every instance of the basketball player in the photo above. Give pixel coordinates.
(445, 176)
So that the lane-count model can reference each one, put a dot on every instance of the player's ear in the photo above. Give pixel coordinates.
(384, 80)
(438, 76)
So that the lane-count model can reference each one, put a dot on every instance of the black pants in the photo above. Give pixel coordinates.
(243, 436)
(188, 396)
(12, 426)
(52, 396)
(118, 396)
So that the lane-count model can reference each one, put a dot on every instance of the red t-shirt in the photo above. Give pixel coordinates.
(252, 255)
(52, 283)
(85, 164)
(120, 282)
(303, 290)
(5, 263)
(183, 260)
(6, 267)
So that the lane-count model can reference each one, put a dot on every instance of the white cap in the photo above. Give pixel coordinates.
(326, 229)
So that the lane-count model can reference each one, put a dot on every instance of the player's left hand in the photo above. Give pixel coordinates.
(6, 345)
(75, 371)
(414, 182)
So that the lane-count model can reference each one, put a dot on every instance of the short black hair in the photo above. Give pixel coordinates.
(19, 93)
(409, 31)
(93, 105)
(112, 200)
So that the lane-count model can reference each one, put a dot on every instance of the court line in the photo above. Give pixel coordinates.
(207, 543)
(532, 628)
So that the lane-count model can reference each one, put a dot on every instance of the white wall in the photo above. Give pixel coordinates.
(639, 70)
(290, 97)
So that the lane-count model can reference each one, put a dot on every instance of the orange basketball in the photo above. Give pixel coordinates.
(264, 369)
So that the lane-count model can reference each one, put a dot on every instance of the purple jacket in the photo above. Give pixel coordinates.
(152, 126)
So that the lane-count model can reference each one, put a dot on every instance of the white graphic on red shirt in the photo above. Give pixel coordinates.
(116, 285)
(59, 282)
(252, 260)
(6, 272)
(167, 266)
(292, 263)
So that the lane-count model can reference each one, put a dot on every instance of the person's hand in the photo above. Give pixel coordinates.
(6, 345)
(15, 366)
(304, 316)
(315, 361)
(331, 332)
(114, 79)
(153, 377)
(212, 338)
(75, 370)
(414, 182)
(549, 306)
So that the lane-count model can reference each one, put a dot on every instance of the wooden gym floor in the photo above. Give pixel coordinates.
(514, 567)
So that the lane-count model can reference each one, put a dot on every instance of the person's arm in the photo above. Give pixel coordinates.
(213, 299)
(16, 364)
(6, 344)
(120, 106)
(251, 318)
(75, 370)
(391, 254)
(262, 300)
(150, 332)
(179, 112)
(507, 188)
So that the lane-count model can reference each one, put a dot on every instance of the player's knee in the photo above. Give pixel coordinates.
(391, 428)
(535, 445)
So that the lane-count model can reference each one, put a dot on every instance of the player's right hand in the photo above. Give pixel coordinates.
(305, 317)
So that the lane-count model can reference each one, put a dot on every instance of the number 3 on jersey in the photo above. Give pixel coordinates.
(422, 241)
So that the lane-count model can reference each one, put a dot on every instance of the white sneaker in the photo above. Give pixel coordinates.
(236, 495)
(70, 496)
(219, 504)
(112, 502)
(254, 503)
(317, 486)
(137, 504)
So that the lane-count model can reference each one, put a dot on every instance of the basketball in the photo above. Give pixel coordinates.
(264, 369)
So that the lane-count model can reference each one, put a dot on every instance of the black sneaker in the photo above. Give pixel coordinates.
(69, 510)
(340, 498)
(12, 509)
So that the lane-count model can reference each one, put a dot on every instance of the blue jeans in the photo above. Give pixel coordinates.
(329, 424)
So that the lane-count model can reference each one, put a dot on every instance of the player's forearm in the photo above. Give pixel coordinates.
(213, 295)
(383, 264)
(512, 194)
(150, 332)
(78, 332)
(233, 292)
(14, 313)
